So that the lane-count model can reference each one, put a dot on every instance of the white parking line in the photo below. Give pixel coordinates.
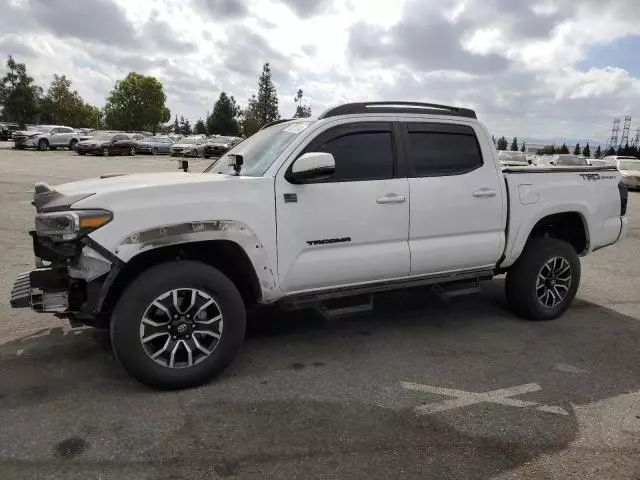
(465, 399)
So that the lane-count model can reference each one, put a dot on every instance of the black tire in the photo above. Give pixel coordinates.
(132, 151)
(82, 153)
(148, 286)
(207, 157)
(154, 151)
(72, 144)
(106, 152)
(522, 279)
(43, 145)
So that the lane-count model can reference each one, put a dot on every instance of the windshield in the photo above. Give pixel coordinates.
(512, 157)
(190, 140)
(571, 161)
(103, 137)
(261, 149)
(629, 165)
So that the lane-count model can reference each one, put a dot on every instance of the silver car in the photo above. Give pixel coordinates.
(45, 137)
(189, 147)
(154, 145)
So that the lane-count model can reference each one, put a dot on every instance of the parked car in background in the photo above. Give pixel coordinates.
(564, 160)
(598, 162)
(154, 145)
(45, 137)
(107, 144)
(189, 147)
(7, 129)
(512, 159)
(614, 159)
(630, 171)
(219, 145)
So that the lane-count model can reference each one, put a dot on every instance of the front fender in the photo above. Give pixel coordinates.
(189, 232)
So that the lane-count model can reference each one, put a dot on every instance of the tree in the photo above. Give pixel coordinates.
(199, 128)
(224, 119)
(64, 106)
(502, 143)
(611, 151)
(18, 95)
(626, 150)
(166, 115)
(185, 126)
(514, 144)
(136, 103)
(302, 111)
(176, 126)
(598, 153)
(548, 150)
(263, 108)
(493, 139)
(524, 147)
(563, 149)
(586, 151)
(576, 150)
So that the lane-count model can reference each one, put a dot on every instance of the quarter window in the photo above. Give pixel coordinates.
(451, 152)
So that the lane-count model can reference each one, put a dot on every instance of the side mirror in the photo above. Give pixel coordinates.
(311, 167)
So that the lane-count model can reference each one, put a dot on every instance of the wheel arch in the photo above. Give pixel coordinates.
(226, 255)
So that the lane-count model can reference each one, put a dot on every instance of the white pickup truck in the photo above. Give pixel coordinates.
(364, 198)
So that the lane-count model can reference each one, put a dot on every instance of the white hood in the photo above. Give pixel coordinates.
(138, 181)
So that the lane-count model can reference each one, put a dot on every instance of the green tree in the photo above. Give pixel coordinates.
(586, 151)
(626, 150)
(514, 144)
(64, 106)
(598, 153)
(136, 103)
(185, 126)
(610, 151)
(166, 115)
(263, 108)
(564, 149)
(199, 127)
(502, 143)
(18, 95)
(524, 147)
(176, 126)
(224, 119)
(548, 150)
(576, 150)
(302, 111)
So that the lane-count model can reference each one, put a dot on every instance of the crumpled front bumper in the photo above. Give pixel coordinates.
(42, 289)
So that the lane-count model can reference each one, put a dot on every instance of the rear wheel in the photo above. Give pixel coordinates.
(106, 152)
(544, 280)
(82, 153)
(72, 144)
(154, 151)
(43, 145)
(178, 325)
(207, 157)
(132, 151)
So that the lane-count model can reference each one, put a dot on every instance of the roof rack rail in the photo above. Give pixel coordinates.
(276, 122)
(397, 107)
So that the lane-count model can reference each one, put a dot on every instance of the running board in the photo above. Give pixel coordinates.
(342, 307)
(448, 291)
(310, 299)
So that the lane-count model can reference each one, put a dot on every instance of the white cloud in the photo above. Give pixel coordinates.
(515, 61)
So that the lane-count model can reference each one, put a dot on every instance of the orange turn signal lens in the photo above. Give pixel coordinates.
(94, 222)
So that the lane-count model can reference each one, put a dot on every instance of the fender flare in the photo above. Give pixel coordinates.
(189, 232)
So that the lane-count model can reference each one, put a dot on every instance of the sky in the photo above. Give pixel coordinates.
(536, 69)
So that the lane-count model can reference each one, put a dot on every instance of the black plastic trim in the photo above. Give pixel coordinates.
(532, 169)
(397, 107)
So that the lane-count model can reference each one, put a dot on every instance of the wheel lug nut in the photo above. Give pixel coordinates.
(174, 337)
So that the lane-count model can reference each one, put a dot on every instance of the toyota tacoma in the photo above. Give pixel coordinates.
(364, 198)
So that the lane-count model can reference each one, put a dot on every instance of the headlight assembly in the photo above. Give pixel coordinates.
(69, 225)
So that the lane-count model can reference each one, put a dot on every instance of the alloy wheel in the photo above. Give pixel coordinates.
(181, 328)
(554, 282)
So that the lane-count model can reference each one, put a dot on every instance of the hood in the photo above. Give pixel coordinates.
(118, 183)
(185, 145)
(218, 144)
(28, 132)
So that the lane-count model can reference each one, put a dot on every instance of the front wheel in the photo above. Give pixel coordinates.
(544, 280)
(178, 325)
(132, 151)
(154, 151)
(106, 152)
(72, 144)
(43, 145)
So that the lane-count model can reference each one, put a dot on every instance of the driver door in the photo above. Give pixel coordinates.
(352, 227)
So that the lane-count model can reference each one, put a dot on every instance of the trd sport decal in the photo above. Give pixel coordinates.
(324, 241)
(594, 177)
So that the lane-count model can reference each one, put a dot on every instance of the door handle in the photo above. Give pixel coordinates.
(392, 198)
(484, 192)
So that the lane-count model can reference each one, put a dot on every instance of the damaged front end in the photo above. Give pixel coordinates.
(71, 269)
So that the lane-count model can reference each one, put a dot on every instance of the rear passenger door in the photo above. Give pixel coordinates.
(352, 227)
(456, 207)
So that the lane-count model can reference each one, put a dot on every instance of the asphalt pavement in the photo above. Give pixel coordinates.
(418, 388)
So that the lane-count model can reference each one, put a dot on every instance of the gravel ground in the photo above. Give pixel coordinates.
(308, 398)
